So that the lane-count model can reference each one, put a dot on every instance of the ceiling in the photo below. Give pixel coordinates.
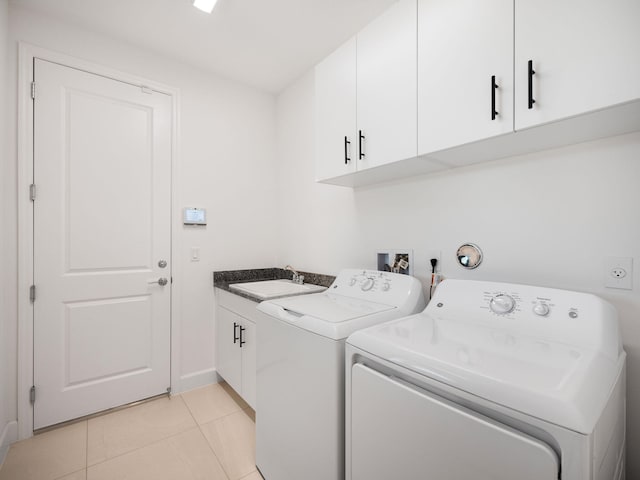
(263, 43)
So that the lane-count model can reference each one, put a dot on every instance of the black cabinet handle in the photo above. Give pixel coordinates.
(531, 74)
(494, 86)
(346, 153)
(242, 342)
(360, 138)
(235, 329)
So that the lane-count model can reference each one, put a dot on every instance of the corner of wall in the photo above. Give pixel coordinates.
(7, 437)
(8, 424)
(195, 380)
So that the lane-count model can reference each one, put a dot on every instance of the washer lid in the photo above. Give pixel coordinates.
(331, 307)
(328, 314)
(563, 384)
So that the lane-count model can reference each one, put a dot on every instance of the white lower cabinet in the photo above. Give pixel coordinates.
(236, 344)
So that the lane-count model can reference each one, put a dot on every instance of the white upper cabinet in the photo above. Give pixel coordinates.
(386, 86)
(585, 55)
(436, 84)
(465, 72)
(336, 131)
(366, 96)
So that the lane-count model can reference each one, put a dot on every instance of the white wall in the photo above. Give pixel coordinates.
(7, 255)
(226, 165)
(545, 219)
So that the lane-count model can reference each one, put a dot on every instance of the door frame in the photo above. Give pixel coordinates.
(26, 55)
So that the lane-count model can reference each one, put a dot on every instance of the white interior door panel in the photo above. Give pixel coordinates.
(102, 167)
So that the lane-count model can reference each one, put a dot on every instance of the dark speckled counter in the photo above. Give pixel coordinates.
(225, 278)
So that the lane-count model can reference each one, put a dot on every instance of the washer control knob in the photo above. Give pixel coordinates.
(352, 282)
(367, 284)
(502, 304)
(386, 286)
(541, 309)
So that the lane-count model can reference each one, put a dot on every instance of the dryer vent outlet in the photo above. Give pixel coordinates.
(395, 261)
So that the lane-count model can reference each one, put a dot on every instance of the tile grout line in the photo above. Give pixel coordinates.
(139, 448)
(86, 440)
(143, 446)
(224, 470)
(70, 473)
(200, 425)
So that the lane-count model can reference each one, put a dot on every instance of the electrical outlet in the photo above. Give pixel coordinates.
(618, 272)
(437, 254)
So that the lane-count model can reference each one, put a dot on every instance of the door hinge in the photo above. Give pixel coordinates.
(32, 293)
(32, 192)
(32, 394)
(33, 90)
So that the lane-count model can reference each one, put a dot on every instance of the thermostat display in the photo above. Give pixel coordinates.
(195, 216)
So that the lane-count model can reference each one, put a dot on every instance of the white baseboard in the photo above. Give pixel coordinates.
(196, 380)
(8, 436)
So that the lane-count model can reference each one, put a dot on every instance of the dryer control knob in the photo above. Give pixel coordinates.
(352, 282)
(367, 284)
(541, 309)
(502, 303)
(386, 286)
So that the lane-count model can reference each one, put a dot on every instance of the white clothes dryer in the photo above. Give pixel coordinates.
(300, 375)
(492, 381)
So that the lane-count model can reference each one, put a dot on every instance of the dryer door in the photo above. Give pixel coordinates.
(400, 431)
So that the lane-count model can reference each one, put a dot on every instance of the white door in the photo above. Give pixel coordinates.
(102, 170)
(399, 431)
(335, 89)
(465, 49)
(584, 55)
(387, 83)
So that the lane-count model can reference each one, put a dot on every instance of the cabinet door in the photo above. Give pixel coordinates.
(249, 363)
(229, 353)
(461, 46)
(584, 54)
(386, 86)
(335, 85)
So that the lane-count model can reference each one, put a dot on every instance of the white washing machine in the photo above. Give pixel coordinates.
(492, 381)
(300, 357)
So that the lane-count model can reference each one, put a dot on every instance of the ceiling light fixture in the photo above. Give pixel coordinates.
(205, 5)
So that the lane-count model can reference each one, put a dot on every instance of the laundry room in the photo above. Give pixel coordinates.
(549, 202)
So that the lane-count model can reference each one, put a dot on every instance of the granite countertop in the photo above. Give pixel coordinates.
(223, 279)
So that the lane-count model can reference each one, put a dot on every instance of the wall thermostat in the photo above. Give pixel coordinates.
(195, 216)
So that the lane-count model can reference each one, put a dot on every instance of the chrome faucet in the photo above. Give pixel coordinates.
(297, 278)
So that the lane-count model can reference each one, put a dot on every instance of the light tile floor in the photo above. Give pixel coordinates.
(204, 434)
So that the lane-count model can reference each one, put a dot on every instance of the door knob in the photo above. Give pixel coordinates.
(161, 281)
(162, 263)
